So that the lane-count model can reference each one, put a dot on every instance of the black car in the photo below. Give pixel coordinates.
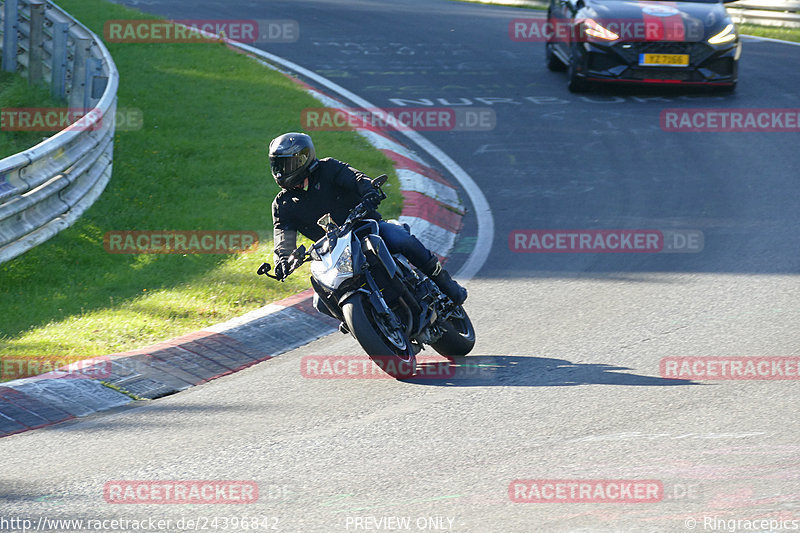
(643, 42)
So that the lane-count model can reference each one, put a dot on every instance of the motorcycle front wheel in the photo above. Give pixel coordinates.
(389, 348)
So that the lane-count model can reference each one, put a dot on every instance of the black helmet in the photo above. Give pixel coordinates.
(291, 158)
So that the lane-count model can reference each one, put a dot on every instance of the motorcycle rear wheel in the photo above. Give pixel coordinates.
(389, 349)
(459, 336)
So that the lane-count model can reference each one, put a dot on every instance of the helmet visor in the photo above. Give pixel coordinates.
(284, 166)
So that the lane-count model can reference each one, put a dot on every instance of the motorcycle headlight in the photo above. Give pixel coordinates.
(345, 262)
(332, 277)
(727, 35)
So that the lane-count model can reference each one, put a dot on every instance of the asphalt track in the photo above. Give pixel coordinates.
(565, 382)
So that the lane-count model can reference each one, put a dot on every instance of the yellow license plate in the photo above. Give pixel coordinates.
(670, 60)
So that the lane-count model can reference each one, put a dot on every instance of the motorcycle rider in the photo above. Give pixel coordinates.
(312, 187)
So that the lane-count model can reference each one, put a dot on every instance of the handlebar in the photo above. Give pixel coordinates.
(296, 260)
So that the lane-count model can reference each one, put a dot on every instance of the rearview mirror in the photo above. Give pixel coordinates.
(380, 180)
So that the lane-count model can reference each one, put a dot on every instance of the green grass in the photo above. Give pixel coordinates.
(785, 34)
(15, 92)
(199, 163)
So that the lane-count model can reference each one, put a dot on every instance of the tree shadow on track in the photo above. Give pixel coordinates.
(516, 371)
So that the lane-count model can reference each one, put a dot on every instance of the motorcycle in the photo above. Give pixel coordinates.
(390, 307)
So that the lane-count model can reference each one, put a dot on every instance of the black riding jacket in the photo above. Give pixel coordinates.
(333, 187)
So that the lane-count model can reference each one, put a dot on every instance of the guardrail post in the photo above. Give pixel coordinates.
(35, 66)
(78, 89)
(59, 68)
(10, 26)
(95, 82)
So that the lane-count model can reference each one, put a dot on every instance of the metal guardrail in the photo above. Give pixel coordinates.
(44, 189)
(780, 13)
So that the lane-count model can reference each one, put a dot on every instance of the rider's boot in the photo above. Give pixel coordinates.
(434, 270)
